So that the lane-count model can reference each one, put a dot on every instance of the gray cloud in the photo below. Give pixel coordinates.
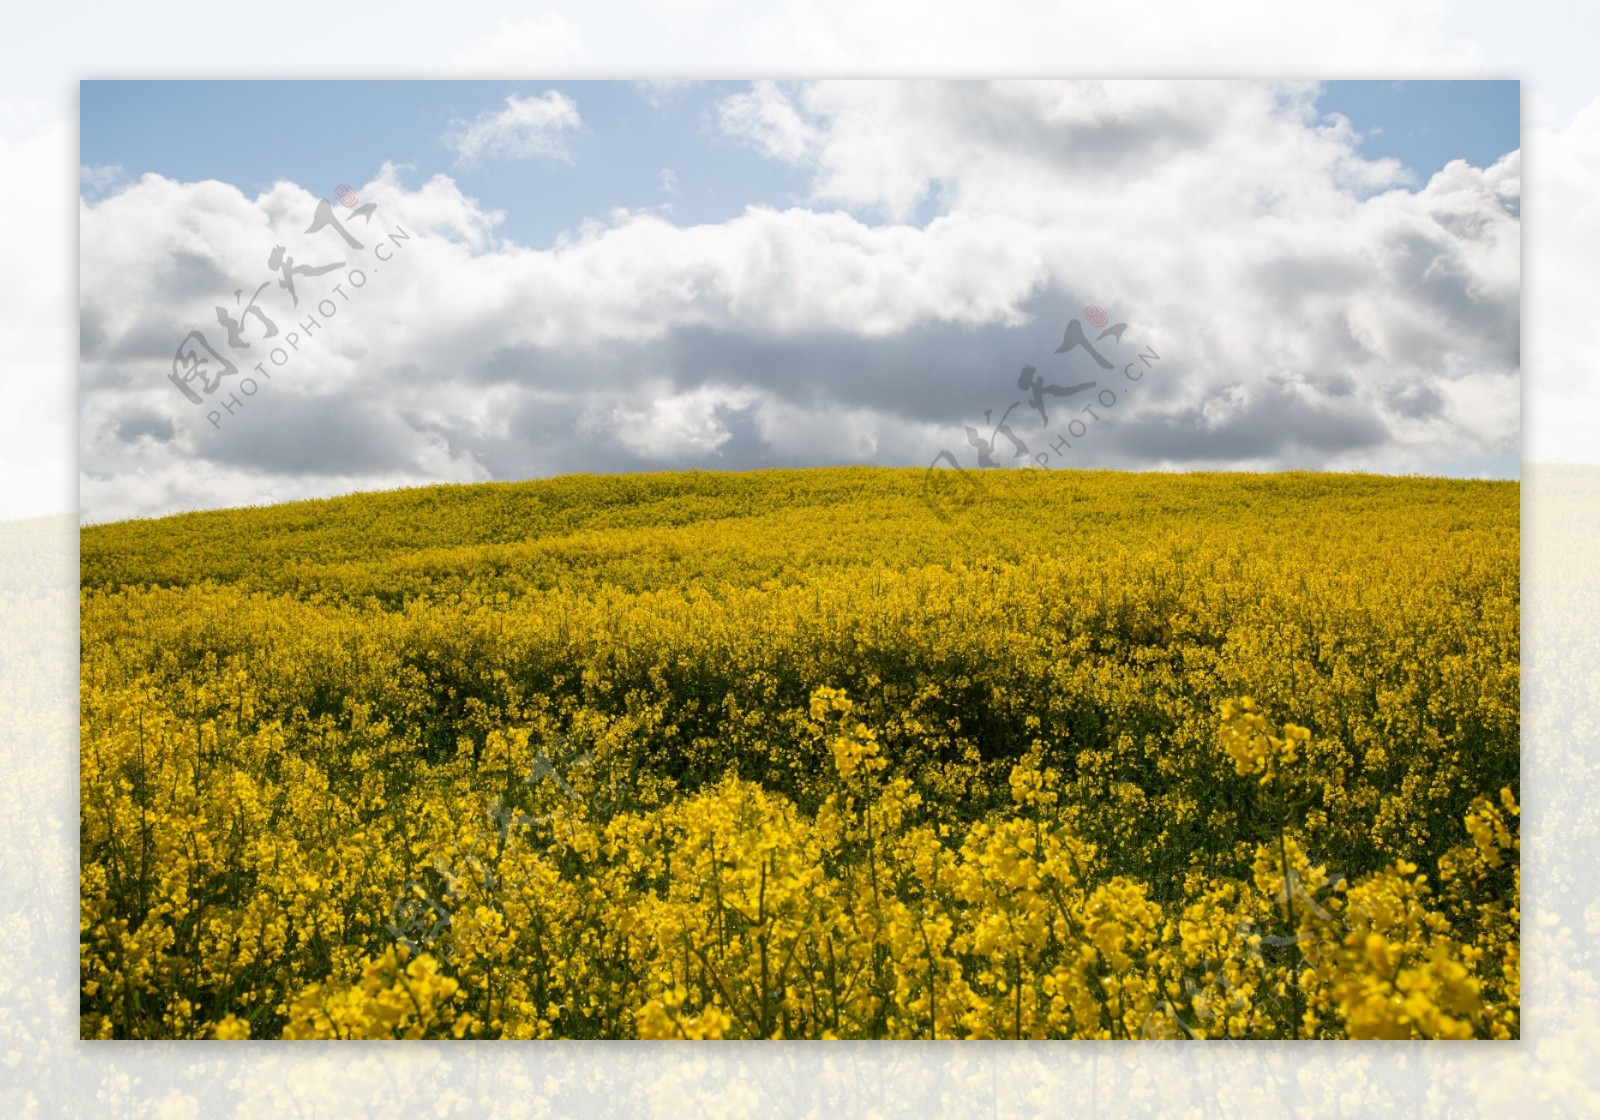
(1417, 400)
(141, 423)
(1273, 420)
(340, 433)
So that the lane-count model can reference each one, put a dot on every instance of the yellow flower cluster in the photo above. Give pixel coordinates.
(783, 756)
(1254, 745)
(392, 999)
(855, 746)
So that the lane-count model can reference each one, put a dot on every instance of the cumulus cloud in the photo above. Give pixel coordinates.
(1310, 308)
(527, 128)
(765, 117)
(666, 425)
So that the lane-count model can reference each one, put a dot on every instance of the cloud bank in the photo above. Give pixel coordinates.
(1312, 308)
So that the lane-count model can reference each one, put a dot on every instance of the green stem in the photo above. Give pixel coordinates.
(1288, 907)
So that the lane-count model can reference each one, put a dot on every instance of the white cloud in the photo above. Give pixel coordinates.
(671, 426)
(1196, 205)
(527, 128)
(884, 146)
(822, 435)
(768, 119)
(1313, 310)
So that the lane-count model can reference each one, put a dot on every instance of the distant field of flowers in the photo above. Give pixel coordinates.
(788, 754)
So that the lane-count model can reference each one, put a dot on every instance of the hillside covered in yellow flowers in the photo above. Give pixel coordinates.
(798, 754)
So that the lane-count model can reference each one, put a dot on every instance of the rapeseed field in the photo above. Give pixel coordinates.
(802, 754)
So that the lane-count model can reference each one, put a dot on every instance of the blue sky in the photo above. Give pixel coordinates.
(323, 134)
(619, 276)
(1425, 125)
